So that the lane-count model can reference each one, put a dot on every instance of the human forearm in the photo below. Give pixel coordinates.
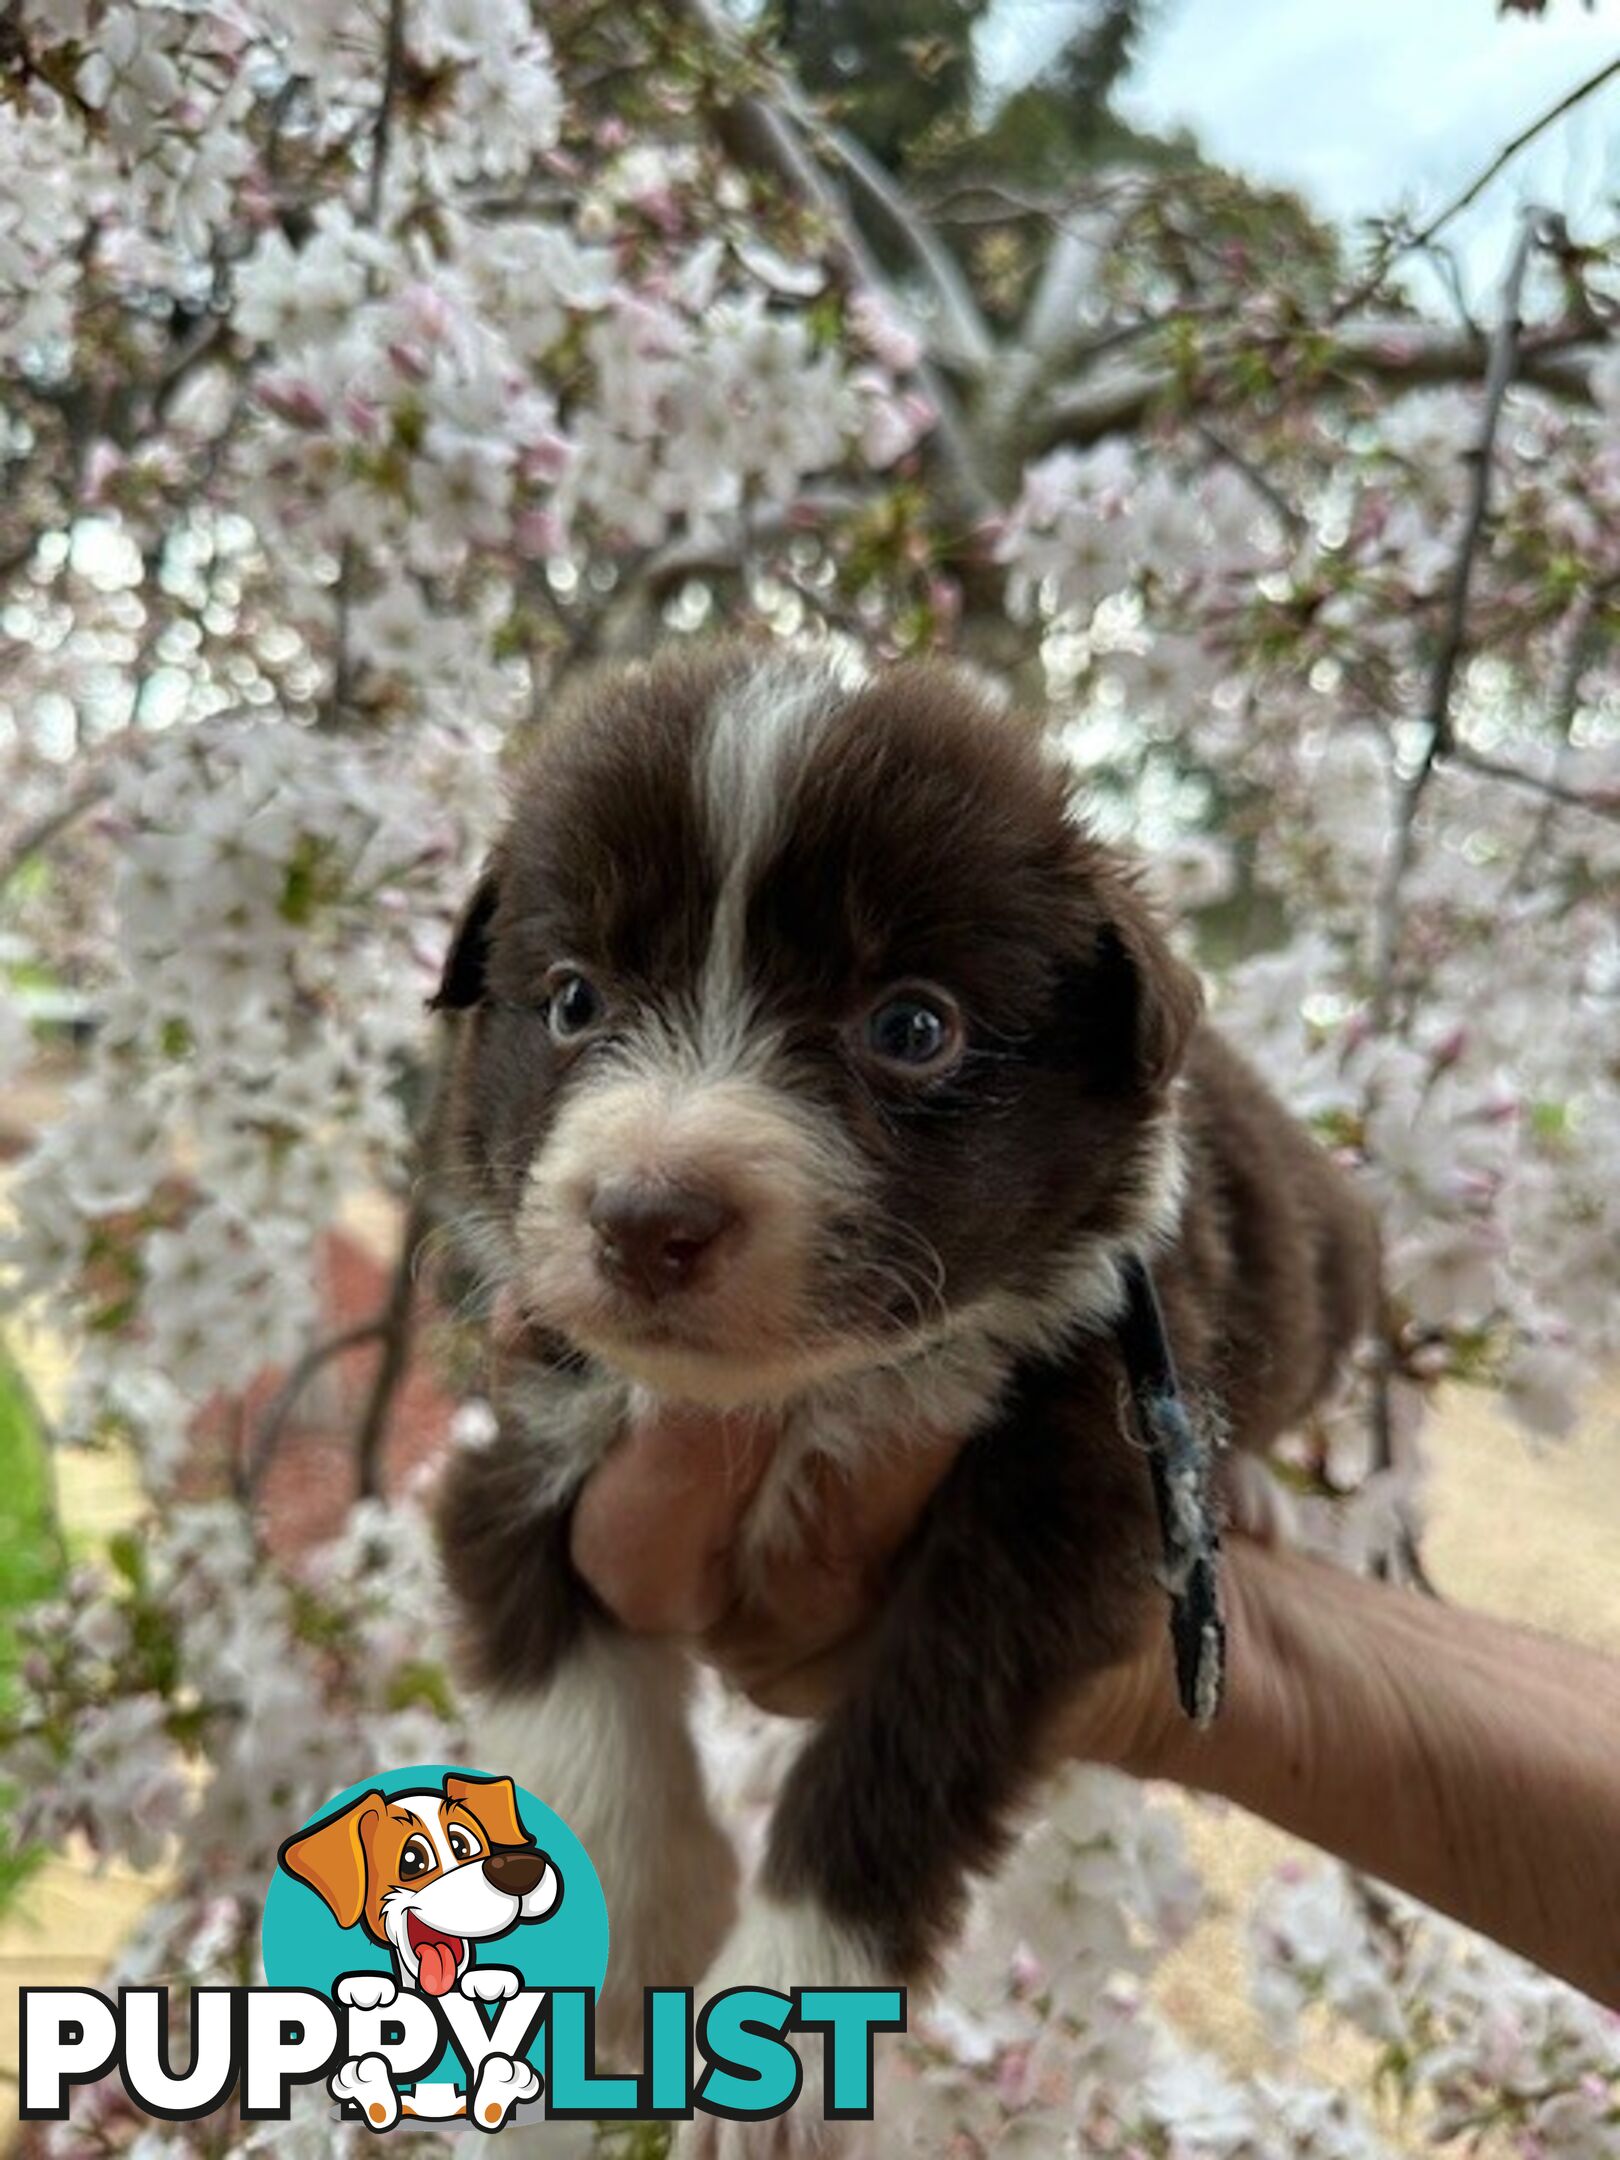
(1467, 1762)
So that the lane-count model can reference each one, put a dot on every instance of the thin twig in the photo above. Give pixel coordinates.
(1561, 718)
(399, 1308)
(1499, 375)
(1504, 363)
(1293, 520)
(273, 1425)
(36, 838)
(394, 1331)
(1476, 187)
(337, 698)
(1551, 789)
(382, 137)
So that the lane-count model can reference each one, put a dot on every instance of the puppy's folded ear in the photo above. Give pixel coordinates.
(466, 964)
(494, 1801)
(331, 1857)
(1153, 999)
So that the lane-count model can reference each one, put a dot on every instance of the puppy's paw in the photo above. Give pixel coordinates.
(782, 1946)
(503, 2083)
(489, 1983)
(366, 1991)
(366, 2084)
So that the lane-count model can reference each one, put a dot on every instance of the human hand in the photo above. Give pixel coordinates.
(658, 1534)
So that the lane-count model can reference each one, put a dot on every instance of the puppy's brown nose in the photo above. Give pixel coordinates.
(652, 1238)
(515, 1872)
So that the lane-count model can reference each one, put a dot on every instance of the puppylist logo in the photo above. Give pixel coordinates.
(434, 1942)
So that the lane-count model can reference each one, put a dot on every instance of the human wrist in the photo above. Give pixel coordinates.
(1260, 1714)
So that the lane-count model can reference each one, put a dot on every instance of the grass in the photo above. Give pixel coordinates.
(31, 1565)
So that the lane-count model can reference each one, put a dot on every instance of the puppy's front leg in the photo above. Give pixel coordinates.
(593, 1722)
(1029, 1572)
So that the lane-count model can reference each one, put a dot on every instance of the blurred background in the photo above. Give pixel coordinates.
(1239, 387)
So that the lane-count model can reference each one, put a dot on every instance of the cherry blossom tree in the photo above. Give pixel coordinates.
(369, 367)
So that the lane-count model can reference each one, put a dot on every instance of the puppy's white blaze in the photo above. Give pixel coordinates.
(770, 1156)
(607, 1744)
(760, 734)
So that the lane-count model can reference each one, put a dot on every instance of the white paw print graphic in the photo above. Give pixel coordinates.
(502, 2083)
(366, 1991)
(366, 2082)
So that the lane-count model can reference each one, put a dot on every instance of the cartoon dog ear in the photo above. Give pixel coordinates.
(1155, 999)
(494, 1801)
(331, 1857)
(466, 964)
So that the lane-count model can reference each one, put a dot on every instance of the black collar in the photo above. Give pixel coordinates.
(1180, 1459)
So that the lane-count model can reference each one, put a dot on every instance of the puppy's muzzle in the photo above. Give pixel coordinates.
(654, 1239)
(515, 1874)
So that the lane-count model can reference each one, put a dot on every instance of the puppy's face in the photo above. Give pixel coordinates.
(802, 1025)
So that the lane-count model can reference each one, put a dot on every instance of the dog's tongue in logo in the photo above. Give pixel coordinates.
(438, 1956)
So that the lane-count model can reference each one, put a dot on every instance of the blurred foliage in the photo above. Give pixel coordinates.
(31, 1566)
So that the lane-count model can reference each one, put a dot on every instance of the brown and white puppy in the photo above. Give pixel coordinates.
(816, 1064)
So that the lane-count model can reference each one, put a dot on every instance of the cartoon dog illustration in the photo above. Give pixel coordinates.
(431, 1874)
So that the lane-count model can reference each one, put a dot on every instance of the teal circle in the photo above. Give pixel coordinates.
(304, 1946)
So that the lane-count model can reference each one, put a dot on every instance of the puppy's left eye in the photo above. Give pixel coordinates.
(462, 1842)
(917, 1029)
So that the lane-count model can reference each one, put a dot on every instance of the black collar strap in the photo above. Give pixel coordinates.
(1180, 1460)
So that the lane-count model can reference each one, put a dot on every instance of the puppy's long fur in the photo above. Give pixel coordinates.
(779, 880)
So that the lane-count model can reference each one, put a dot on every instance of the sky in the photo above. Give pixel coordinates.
(1367, 104)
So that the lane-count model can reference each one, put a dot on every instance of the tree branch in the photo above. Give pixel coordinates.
(382, 138)
(1504, 358)
(1557, 793)
(278, 1415)
(1292, 519)
(964, 332)
(766, 134)
(1564, 704)
(1476, 187)
(1504, 363)
(394, 1328)
(395, 1322)
(36, 838)
(1398, 354)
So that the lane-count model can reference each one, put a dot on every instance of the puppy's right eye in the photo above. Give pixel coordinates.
(915, 1029)
(574, 1005)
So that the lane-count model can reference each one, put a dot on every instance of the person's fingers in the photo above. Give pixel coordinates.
(834, 1567)
(655, 1527)
(793, 1631)
(656, 1533)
